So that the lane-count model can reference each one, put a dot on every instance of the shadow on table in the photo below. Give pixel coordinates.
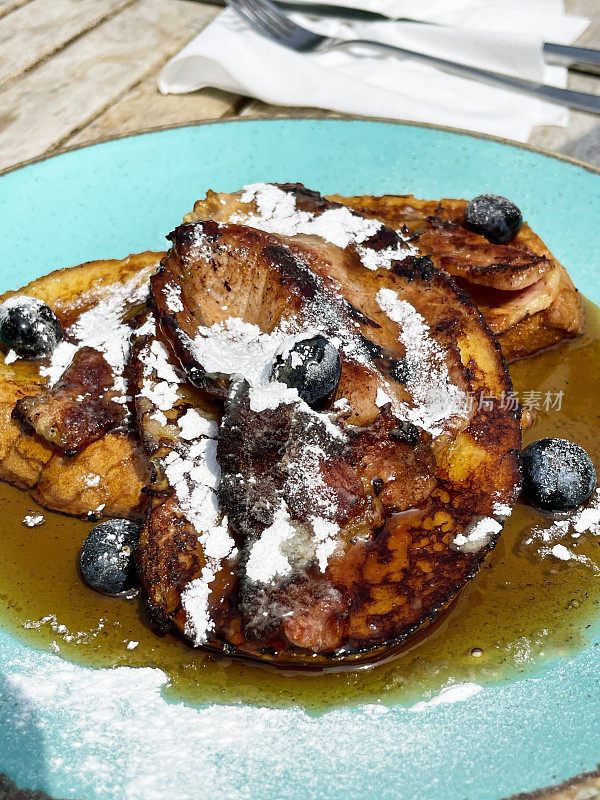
(21, 747)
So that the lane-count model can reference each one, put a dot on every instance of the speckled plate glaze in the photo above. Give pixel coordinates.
(109, 734)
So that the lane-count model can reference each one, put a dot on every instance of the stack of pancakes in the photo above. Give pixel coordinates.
(272, 530)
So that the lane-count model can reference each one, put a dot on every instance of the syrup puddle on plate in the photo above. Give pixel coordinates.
(519, 612)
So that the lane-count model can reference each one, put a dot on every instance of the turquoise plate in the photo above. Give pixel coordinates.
(109, 734)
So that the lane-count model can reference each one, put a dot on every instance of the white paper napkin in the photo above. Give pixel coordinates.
(502, 35)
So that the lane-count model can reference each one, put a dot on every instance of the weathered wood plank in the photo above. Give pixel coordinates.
(69, 90)
(581, 138)
(256, 108)
(40, 28)
(10, 5)
(144, 107)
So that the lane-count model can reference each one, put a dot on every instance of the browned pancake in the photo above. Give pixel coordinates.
(522, 290)
(416, 506)
(524, 293)
(75, 456)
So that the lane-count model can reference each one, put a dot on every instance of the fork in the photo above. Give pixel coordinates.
(581, 59)
(270, 21)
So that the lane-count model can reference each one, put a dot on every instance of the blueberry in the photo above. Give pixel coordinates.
(494, 217)
(558, 475)
(106, 557)
(29, 327)
(312, 366)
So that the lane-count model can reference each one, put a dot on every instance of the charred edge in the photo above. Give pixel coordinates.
(307, 199)
(415, 265)
(292, 271)
(412, 236)
(461, 293)
(383, 239)
(194, 372)
(18, 416)
(184, 236)
(399, 370)
(357, 315)
(405, 432)
(437, 223)
(377, 484)
(533, 260)
(59, 419)
(374, 350)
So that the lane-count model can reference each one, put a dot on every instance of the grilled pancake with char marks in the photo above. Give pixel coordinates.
(522, 290)
(396, 557)
(416, 513)
(106, 474)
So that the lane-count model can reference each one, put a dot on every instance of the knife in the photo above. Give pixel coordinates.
(580, 59)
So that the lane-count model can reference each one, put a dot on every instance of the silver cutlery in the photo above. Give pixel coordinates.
(272, 22)
(580, 58)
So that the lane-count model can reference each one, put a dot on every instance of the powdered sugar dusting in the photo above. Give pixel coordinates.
(277, 212)
(62, 356)
(560, 551)
(455, 693)
(192, 470)
(235, 347)
(501, 510)
(477, 535)
(271, 395)
(304, 476)
(62, 632)
(560, 538)
(382, 398)
(588, 519)
(161, 381)
(193, 425)
(173, 297)
(436, 399)
(101, 327)
(217, 546)
(194, 473)
(267, 560)
(112, 733)
(33, 520)
(383, 259)
(326, 536)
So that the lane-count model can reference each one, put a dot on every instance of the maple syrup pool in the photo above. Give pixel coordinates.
(520, 611)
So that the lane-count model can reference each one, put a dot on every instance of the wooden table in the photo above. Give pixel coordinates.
(74, 71)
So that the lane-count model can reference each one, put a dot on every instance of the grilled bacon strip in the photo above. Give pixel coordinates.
(79, 409)
(522, 290)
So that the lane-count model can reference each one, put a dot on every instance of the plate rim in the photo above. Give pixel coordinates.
(315, 117)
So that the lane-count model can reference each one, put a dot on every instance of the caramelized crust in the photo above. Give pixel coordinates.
(402, 495)
(22, 457)
(409, 496)
(400, 469)
(79, 409)
(522, 290)
(106, 478)
(26, 460)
